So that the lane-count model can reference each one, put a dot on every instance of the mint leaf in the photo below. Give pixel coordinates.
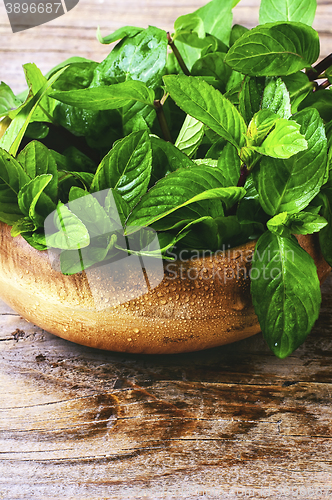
(236, 32)
(189, 29)
(217, 18)
(78, 75)
(250, 96)
(113, 97)
(274, 49)
(140, 57)
(36, 159)
(190, 136)
(13, 136)
(320, 100)
(285, 292)
(276, 97)
(126, 168)
(301, 11)
(189, 188)
(229, 163)
(284, 141)
(36, 80)
(34, 202)
(208, 105)
(298, 86)
(23, 225)
(124, 32)
(289, 185)
(306, 222)
(71, 234)
(12, 177)
(166, 158)
(260, 126)
(212, 65)
(8, 101)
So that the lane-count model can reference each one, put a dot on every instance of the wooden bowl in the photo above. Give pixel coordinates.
(199, 304)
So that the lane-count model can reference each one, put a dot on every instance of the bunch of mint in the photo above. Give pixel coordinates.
(212, 135)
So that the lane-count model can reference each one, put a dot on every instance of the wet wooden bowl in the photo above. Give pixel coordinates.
(199, 304)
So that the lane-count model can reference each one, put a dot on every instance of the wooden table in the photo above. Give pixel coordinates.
(232, 422)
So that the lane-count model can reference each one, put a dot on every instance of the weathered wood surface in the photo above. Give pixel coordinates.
(75, 32)
(76, 423)
(233, 422)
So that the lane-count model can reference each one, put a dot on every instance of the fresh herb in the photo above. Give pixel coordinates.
(211, 135)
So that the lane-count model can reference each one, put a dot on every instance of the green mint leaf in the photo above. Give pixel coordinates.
(141, 57)
(36, 159)
(276, 97)
(301, 11)
(190, 136)
(78, 75)
(72, 233)
(90, 211)
(278, 224)
(166, 158)
(250, 96)
(289, 185)
(126, 168)
(189, 24)
(12, 177)
(185, 188)
(212, 65)
(37, 130)
(236, 32)
(122, 207)
(298, 86)
(260, 126)
(13, 136)
(67, 62)
(274, 49)
(34, 202)
(23, 225)
(285, 291)
(320, 100)
(109, 97)
(306, 223)
(10, 213)
(284, 141)
(208, 105)
(74, 160)
(36, 80)
(119, 34)
(217, 18)
(229, 163)
(8, 101)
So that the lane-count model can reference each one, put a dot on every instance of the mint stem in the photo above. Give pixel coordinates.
(243, 176)
(320, 68)
(178, 56)
(162, 120)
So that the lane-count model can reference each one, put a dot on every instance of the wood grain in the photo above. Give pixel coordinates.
(228, 423)
(82, 423)
(75, 32)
